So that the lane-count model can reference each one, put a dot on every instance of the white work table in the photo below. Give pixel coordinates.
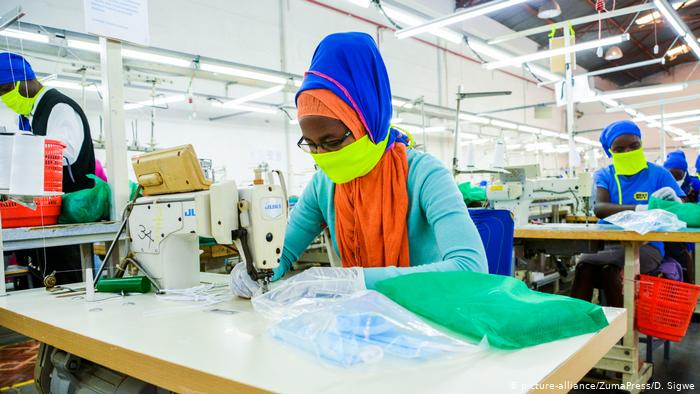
(204, 351)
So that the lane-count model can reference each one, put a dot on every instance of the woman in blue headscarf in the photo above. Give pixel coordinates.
(390, 210)
(625, 185)
(677, 165)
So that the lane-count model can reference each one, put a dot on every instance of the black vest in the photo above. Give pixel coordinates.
(74, 176)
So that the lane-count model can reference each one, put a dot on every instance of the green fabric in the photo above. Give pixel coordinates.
(687, 212)
(472, 194)
(133, 187)
(87, 205)
(500, 308)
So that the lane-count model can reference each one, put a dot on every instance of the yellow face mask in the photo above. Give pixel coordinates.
(352, 161)
(18, 103)
(629, 163)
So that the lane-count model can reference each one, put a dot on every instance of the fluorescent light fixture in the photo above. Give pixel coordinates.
(480, 141)
(528, 129)
(635, 92)
(253, 96)
(584, 140)
(631, 112)
(519, 60)
(475, 119)
(294, 121)
(563, 136)
(459, 16)
(538, 146)
(247, 108)
(655, 16)
(401, 103)
(677, 51)
(25, 35)
(549, 133)
(297, 82)
(675, 114)
(503, 124)
(484, 48)
(237, 72)
(152, 57)
(396, 120)
(157, 101)
(413, 20)
(513, 146)
(670, 16)
(691, 119)
(84, 45)
(56, 83)
(693, 44)
(361, 3)
(610, 102)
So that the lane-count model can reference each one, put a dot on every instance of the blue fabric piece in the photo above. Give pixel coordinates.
(350, 65)
(24, 124)
(697, 164)
(441, 235)
(616, 129)
(364, 329)
(14, 67)
(496, 228)
(669, 268)
(676, 159)
(637, 188)
(690, 184)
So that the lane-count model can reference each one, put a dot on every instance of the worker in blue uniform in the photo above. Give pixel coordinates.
(625, 185)
(677, 165)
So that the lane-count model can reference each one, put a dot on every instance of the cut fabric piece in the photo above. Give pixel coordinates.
(688, 212)
(363, 329)
(472, 193)
(499, 308)
(644, 222)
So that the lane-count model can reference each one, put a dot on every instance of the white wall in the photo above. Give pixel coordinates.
(249, 32)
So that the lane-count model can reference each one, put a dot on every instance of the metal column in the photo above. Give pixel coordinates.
(662, 134)
(113, 114)
(569, 102)
(115, 134)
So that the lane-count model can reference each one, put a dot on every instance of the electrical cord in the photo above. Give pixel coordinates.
(378, 4)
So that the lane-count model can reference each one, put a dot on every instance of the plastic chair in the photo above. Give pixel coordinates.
(496, 227)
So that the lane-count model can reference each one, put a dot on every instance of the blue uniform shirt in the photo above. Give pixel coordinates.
(691, 185)
(637, 188)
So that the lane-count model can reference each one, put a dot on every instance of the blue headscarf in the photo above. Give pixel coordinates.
(14, 68)
(676, 159)
(616, 129)
(350, 65)
(697, 164)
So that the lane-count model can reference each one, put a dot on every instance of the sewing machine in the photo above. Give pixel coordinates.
(522, 190)
(180, 205)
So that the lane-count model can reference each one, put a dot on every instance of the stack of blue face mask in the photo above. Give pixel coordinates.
(362, 329)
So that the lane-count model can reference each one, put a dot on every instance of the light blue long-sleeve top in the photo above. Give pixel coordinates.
(441, 235)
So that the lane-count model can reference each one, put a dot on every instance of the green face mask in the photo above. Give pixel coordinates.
(352, 161)
(629, 163)
(18, 103)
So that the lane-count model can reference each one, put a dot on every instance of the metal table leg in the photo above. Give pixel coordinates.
(625, 358)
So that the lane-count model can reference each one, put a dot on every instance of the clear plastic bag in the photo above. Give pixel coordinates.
(644, 222)
(308, 291)
(363, 328)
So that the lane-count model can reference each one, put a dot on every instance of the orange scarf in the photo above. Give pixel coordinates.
(370, 211)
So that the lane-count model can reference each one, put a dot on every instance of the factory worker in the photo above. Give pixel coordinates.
(677, 165)
(390, 209)
(625, 185)
(48, 112)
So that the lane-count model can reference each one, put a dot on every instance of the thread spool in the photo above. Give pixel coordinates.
(471, 155)
(499, 155)
(27, 172)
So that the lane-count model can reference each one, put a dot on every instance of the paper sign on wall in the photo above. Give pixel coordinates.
(125, 20)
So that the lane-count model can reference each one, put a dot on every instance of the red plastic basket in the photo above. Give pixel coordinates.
(48, 209)
(53, 165)
(664, 307)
